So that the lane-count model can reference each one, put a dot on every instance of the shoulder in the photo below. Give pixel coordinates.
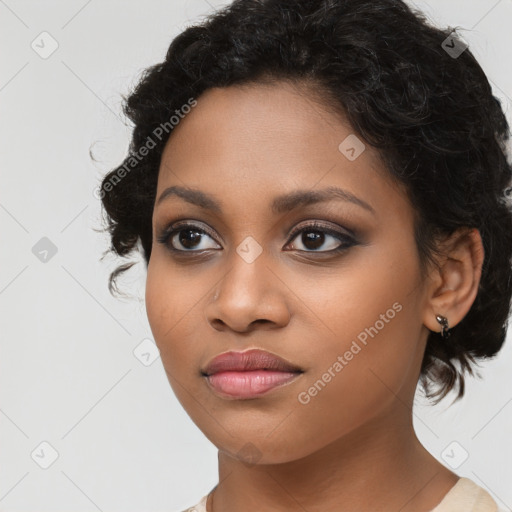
(200, 506)
(466, 495)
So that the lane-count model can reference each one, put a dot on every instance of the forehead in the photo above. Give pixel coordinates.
(259, 140)
(261, 121)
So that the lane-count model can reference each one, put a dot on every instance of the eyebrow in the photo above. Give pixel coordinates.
(281, 204)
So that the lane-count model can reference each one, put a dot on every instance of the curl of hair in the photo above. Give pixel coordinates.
(438, 128)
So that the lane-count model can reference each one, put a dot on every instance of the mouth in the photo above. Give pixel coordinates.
(249, 374)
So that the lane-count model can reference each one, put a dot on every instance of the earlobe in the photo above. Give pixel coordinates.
(445, 326)
(455, 283)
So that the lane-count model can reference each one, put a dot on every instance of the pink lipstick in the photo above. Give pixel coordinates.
(248, 374)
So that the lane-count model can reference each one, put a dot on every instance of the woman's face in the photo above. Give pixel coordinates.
(343, 300)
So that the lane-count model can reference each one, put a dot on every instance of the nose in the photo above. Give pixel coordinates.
(249, 296)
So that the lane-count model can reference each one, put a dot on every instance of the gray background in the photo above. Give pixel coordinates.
(69, 371)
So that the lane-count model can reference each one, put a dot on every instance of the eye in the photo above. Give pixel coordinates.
(316, 235)
(186, 238)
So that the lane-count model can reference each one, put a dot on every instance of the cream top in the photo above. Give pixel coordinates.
(464, 496)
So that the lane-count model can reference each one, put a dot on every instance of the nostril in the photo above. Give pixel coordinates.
(262, 320)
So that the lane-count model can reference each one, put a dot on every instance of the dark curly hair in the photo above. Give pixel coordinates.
(430, 113)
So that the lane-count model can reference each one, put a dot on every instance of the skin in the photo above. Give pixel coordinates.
(352, 446)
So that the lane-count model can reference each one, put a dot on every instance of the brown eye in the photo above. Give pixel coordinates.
(187, 238)
(318, 236)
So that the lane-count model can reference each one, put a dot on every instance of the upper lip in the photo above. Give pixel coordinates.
(254, 359)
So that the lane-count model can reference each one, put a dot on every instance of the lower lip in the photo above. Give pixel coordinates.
(249, 384)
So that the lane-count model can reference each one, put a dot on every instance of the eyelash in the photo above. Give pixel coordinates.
(346, 241)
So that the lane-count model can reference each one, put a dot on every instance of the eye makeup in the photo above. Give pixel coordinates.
(317, 231)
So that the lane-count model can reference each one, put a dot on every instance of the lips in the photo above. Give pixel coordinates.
(248, 375)
(249, 360)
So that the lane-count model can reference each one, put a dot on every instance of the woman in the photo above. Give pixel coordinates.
(319, 188)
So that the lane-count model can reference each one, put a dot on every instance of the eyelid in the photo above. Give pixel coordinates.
(325, 227)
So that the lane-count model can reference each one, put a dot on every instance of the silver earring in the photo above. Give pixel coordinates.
(445, 328)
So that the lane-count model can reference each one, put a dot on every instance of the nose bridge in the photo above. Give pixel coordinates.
(249, 291)
(247, 279)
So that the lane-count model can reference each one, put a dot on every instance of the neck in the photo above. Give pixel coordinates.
(380, 466)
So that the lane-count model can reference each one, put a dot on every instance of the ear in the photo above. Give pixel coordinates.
(453, 286)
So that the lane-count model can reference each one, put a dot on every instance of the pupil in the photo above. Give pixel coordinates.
(188, 241)
(313, 237)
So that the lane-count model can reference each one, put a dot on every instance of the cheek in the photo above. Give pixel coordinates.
(357, 298)
(169, 304)
(174, 307)
(156, 298)
(166, 302)
(369, 333)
